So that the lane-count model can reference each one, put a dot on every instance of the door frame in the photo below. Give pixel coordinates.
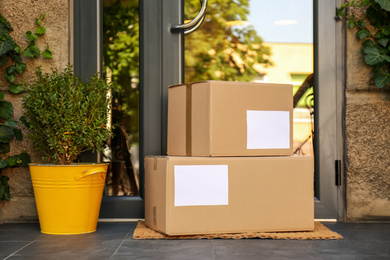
(162, 65)
(87, 60)
(329, 81)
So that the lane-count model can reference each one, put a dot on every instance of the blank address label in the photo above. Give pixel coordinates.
(201, 185)
(268, 129)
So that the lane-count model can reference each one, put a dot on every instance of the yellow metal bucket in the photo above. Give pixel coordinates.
(68, 197)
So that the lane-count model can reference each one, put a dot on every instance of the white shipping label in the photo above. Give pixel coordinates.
(201, 185)
(268, 129)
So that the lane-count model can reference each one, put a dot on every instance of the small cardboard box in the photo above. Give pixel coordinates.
(205, 195)
(220, 118)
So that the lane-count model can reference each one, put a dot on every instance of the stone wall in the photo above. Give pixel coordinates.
(367, 140)
(21, 14)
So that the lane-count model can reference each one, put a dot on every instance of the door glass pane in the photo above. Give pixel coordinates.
(121, 68)
(257, 41)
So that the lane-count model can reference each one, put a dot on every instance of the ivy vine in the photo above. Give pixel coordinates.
(12, 64)
(376, 39)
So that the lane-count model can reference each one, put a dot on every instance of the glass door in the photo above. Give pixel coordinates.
(258, 41)
(105, 36)
(280, 41)
(120, 66)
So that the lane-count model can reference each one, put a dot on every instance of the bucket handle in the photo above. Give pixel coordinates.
(90, 172)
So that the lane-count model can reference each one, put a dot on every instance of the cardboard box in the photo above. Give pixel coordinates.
(219, 118)
(204, 195)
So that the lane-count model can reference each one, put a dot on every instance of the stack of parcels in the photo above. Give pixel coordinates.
(229, 167)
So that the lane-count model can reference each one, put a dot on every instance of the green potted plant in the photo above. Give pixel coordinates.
(66, 117)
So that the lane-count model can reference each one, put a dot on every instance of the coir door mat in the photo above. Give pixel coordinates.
(320, 232)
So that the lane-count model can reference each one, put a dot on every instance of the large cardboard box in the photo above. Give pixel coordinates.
(219, 118)
(203, 195)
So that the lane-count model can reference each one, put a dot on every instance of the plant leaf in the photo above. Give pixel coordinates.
(367, 43)
(20, 67)
(18, 134)
(4, 21)
(386, 58)
(6, 134)
(383, 41)
(6, 194)
(4, 188)
(24, 157)
(375, 17)
(340, 11)
(11, 69)
(11, 161)
(3, 163)
(17, 47)
(362, 24)
(6, 109)
(4, 32)
(15, 57)
(351, 24)
(379, 35)
(386, 30)
(6, 45)
(48, 54)
(382, 78)
(10, 122)
(373, 56)
(385, 4)
(5, 148)
(16, 88)
(32, 51)
(31, 37)
(23, 119)
(10, 77)
(1, 96)
(10, 73)
(362, 34)
(3, 60)
(2, 191)
(41, 30)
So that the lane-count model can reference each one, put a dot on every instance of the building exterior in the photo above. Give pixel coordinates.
(21, 15)
(292, 63)
(365, 123)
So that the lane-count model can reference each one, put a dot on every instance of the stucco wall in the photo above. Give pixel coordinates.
(21, 14)
(367, 140)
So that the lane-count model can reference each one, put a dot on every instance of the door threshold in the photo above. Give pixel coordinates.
(102, 220)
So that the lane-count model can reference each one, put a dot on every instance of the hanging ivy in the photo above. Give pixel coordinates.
(12, 63)
(374, 32)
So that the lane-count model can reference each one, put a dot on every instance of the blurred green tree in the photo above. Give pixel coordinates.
(218, 50)
(121, 61)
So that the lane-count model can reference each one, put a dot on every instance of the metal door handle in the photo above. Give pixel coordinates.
(194, 24)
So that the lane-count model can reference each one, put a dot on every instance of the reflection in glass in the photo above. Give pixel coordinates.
(257, 41)
(220, 50)
(121, 68)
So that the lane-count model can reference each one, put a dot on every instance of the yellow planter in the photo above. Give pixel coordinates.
(68, 197)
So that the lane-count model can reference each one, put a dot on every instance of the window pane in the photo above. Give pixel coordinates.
(257, 41)
(121, 68)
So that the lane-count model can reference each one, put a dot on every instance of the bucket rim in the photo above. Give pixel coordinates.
(69, 165)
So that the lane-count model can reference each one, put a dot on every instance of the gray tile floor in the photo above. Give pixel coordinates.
(114, 241)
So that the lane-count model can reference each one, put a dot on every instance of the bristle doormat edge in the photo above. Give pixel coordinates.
(320, 232)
